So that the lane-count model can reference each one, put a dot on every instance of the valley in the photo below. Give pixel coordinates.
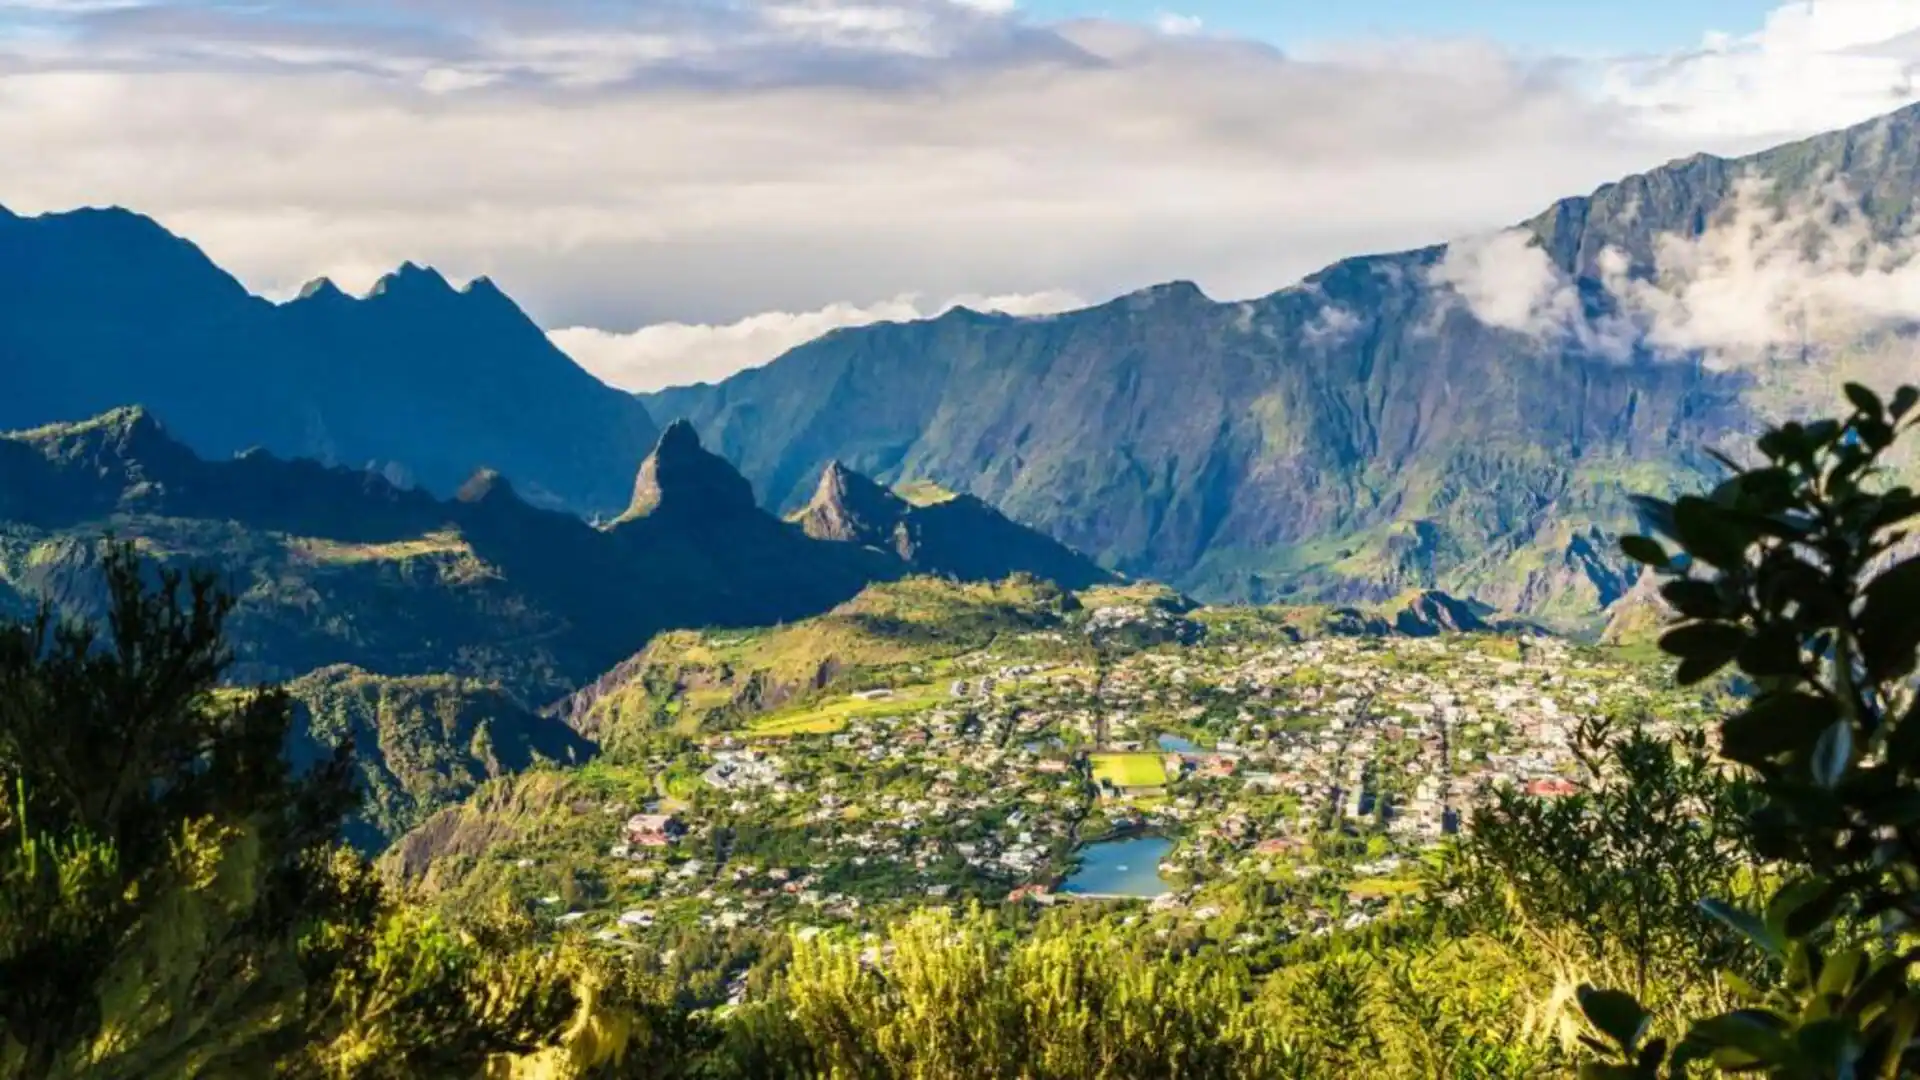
(951, 745)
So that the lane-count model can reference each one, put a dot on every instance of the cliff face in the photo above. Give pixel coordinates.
(1387, 424)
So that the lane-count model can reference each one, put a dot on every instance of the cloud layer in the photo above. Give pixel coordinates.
(1773, 271)
(670, 354)
(693, 165)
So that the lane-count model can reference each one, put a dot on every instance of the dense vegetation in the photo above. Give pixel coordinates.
(174, 900)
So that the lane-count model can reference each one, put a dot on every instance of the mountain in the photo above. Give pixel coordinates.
(941, 533)
(1467, 417)
(103, 307)
(421, 742)
(334, 566)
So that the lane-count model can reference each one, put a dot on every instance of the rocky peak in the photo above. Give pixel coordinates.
(849, 507)
(411, 279)
(682, 479)
(1176, 294)
(320, 290)
(1429, 613)
(486, 487)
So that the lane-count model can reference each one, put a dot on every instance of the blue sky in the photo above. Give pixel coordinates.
(1558, 25)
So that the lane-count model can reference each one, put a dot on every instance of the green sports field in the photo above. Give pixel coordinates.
(1129, 770)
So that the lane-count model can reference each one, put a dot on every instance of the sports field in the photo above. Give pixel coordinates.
(831, 717)
(1129, 770)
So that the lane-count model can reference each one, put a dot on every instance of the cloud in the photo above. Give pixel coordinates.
(1813, 65)
(1168, 22)
(1331, 325)
(1506, 280)
(617, 166)
(1771, 273)
(673, 354)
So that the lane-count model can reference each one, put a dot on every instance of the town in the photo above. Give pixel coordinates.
(1249, 785)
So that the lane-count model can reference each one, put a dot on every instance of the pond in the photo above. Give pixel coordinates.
(1122, 868)
(1176, 744)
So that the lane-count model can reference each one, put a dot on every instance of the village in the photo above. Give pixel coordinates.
(1310, 773)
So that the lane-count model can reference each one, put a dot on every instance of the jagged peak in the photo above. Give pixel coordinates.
(1170, 292)
(483, 287)
(411, 277)
(321, 288)
(684, 478)
(678, 437)
(484, 486)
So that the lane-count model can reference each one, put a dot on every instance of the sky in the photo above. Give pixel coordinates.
(677, 189)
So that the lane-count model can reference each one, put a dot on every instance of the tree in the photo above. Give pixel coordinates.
(174, 900)
(159, 861)
(1799, 573)
(1617, 869)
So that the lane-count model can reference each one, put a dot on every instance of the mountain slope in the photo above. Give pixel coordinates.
(421, 742)
(955, 536)
(1397, 421)
(338, 566)
(103, 307)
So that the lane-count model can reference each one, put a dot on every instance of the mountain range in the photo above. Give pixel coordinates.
(103, 308)
(332, 565)
(1470, 417)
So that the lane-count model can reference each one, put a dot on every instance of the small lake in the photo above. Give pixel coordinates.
(1122, 868)
(1176, 744)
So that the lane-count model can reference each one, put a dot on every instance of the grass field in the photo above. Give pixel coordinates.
(831, 717)
(1129, 770)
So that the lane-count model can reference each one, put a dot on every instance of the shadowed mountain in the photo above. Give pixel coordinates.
(955, 536)
(103, 307)
(1364, 433)
(340, 566)
(421, 742)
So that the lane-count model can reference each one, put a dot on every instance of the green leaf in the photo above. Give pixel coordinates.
(1890, 622)
(1748, 925)
(1645, 549)
(1776, 723)
(1616, 1014)
(1753, 1035)
(1710, 533)
(1904, 399)
(1703, 648)
(1694, 599)
(1832, 753)
(1773, 652)
(1865, 400)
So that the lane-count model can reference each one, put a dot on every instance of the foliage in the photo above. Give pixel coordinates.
(1797, 573)
(172, 902)
(1622, 865)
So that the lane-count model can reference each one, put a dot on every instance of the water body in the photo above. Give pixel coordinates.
(1122, 868)
(1178, 745)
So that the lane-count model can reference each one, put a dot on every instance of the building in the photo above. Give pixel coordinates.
(654, 830)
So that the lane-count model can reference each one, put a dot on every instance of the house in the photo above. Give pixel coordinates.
(654, 830)
(1552, 788)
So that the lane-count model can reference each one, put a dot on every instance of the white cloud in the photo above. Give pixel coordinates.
(616, 166)
(1814, 65)
(675, 354)
(702, 162)
(1507, 281)
(1331, 324)
(1771, 273)
(1170, 23)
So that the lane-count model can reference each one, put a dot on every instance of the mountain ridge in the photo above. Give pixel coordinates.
(1363, 432)
(99, 307)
